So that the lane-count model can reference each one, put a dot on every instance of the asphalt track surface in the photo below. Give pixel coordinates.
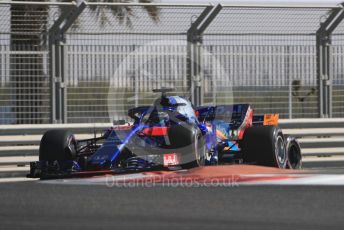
(34, 205)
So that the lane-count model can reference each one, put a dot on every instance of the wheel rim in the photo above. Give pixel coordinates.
(199, 151)
(72, 145)
(280, 152)
(294, 157)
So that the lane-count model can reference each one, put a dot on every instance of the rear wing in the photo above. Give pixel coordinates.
(266, 119)
(222, 112)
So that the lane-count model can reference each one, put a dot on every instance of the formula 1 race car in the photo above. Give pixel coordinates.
(170, 134)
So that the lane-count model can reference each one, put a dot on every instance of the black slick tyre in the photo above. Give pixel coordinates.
(264, 145)
(190, 141)
(293, 153)
(57, 145)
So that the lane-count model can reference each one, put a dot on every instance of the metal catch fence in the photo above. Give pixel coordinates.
(80, 62)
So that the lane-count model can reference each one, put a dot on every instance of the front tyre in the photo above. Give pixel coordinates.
(200, 149)
(189, 141)
(57, 145)
(264, 145)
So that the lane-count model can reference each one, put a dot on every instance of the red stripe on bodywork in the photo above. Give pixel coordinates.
(155, 131)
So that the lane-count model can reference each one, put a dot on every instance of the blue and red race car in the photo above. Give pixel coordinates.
(170, 134)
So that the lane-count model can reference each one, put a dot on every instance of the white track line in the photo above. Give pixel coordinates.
(307, 180)
(101, 180)
(16, 179)
(322, 180)
(299, 179)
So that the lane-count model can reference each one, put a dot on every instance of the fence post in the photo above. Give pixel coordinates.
(323, 81)
(194, 51)
(324, 61)
(56, 61)
(288, 76)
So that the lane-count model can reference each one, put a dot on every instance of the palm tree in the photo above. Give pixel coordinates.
(124, 13)
(29, 26)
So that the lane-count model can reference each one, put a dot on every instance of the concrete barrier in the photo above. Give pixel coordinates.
(318, 137)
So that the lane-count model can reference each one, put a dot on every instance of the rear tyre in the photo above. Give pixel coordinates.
(293, 153)
(57, 145)
(264, 145)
